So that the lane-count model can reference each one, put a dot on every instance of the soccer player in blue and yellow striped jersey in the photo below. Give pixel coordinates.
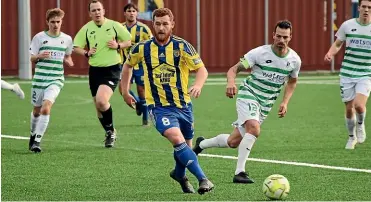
(167, 61)
(139, 32)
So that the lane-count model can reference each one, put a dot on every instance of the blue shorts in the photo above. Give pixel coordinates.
(168, 117)
(138, 74)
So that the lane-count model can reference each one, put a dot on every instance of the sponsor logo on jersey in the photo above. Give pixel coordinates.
(274, 77)
(360, 42)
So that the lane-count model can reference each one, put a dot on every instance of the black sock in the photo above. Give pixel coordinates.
(102, 122)
(107, 119)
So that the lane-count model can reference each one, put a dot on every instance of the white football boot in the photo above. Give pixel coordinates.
(17, 90)
(352, 141)
(361, 133)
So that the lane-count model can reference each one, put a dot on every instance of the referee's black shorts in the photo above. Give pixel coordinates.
(109, 76)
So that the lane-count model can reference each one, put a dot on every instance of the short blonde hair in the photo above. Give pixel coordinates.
(54, 12)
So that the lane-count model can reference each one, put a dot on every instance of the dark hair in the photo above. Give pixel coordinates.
(283, 24)
(130, 5)
(161, 12)
(360, 1)
(54, 12)
(93, 2)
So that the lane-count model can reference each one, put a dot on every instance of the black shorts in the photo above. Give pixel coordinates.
(109, 76)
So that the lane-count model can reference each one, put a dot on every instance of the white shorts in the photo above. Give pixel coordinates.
(39, 95)
(247, 110)
(350, 87)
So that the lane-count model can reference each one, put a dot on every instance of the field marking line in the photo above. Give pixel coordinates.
(291, 163)
(15, 137)
(254, 159)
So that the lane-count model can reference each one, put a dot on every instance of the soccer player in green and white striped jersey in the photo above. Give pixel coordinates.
(271, 67)
(48, 49)
(355, 71)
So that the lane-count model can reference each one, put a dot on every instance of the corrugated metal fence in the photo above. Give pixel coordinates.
(228, 28)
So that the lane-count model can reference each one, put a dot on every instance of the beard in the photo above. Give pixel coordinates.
(162, 37)
(280, 46)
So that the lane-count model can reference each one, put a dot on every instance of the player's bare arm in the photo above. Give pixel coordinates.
(201, 76)
(113, 44)
(44, 55)
(334, 49)
(231, 90)
(125, 84)
(68, 60)
(289, 90)
(84, 52)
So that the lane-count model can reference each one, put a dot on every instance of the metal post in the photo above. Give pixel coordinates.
(24, 39)
(58, 3)
(198, 26)
(332, 21)
(266, 21)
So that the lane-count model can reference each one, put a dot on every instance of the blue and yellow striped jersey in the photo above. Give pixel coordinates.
(139, 32)
(166, 70)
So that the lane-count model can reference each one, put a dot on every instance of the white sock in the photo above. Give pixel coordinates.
(361, 118)
(41, 127)
(218, 141)
(351, 126)
(5, 85)
(34, 121)
(243, 151)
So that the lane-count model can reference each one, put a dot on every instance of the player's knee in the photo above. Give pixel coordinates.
(46, 108)
(36, 111)
(101, 104)
(233, 142)
(174, 135)
(359, 107)
(252, 127)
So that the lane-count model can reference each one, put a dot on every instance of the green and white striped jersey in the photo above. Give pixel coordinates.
(357, 58)
(50, 71)
(269, 73)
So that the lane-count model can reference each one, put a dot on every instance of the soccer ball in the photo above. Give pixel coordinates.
(276, 187)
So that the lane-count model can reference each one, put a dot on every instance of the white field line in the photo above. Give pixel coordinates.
(291, 163)
(15, 137)
(255, 159)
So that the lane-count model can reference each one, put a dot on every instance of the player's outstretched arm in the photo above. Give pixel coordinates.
(125, 84)
(334, 49)
(289, 90)
(231, 90)
(201, 76)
